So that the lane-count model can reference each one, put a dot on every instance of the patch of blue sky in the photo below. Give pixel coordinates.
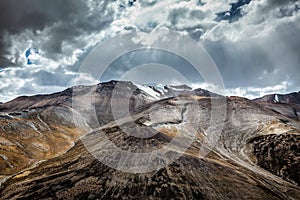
(234, 13)
(29, 52)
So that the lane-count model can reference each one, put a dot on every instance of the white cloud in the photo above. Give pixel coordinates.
(252, 92)
(259, 50)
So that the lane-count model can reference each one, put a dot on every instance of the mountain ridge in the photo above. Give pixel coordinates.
(45, 154)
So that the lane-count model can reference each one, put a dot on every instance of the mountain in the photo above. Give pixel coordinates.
(160, 92)
(45, 155)
(286, 104)
(292, 98)
(41, 127)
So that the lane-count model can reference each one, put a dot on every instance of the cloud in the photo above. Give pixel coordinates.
(258, 50)
(248, 92)
(17, 81)
(56, 28)
(255, 46)
(254, 92)
(56, 33)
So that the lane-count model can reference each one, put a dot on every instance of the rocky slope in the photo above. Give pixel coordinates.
(255, 156)
(286, 104)
(33, 129)
(292, 98)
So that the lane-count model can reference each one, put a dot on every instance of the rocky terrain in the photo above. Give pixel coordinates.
(288, 104)
(196, 145)
(292, 98)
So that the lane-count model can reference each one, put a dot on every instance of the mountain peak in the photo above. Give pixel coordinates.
(291, 98)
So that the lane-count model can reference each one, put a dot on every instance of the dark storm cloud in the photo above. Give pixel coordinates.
(17, 15)
(69, 18)
(286, 50)
(240, 63)
(58, 29)
(276, 3)
(261, 61)
(4, 62)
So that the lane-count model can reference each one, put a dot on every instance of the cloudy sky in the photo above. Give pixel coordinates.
(255, 44)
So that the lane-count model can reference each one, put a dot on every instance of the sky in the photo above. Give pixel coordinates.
(254, 43)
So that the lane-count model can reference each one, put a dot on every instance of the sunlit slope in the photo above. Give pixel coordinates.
(255, 157)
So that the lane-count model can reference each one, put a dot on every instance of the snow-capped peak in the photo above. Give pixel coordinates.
(148, 90)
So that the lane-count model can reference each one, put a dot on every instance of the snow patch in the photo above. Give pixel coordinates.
(276, 100)
(149, 91)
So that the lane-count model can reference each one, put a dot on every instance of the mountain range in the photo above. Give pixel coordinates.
(50, 145)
